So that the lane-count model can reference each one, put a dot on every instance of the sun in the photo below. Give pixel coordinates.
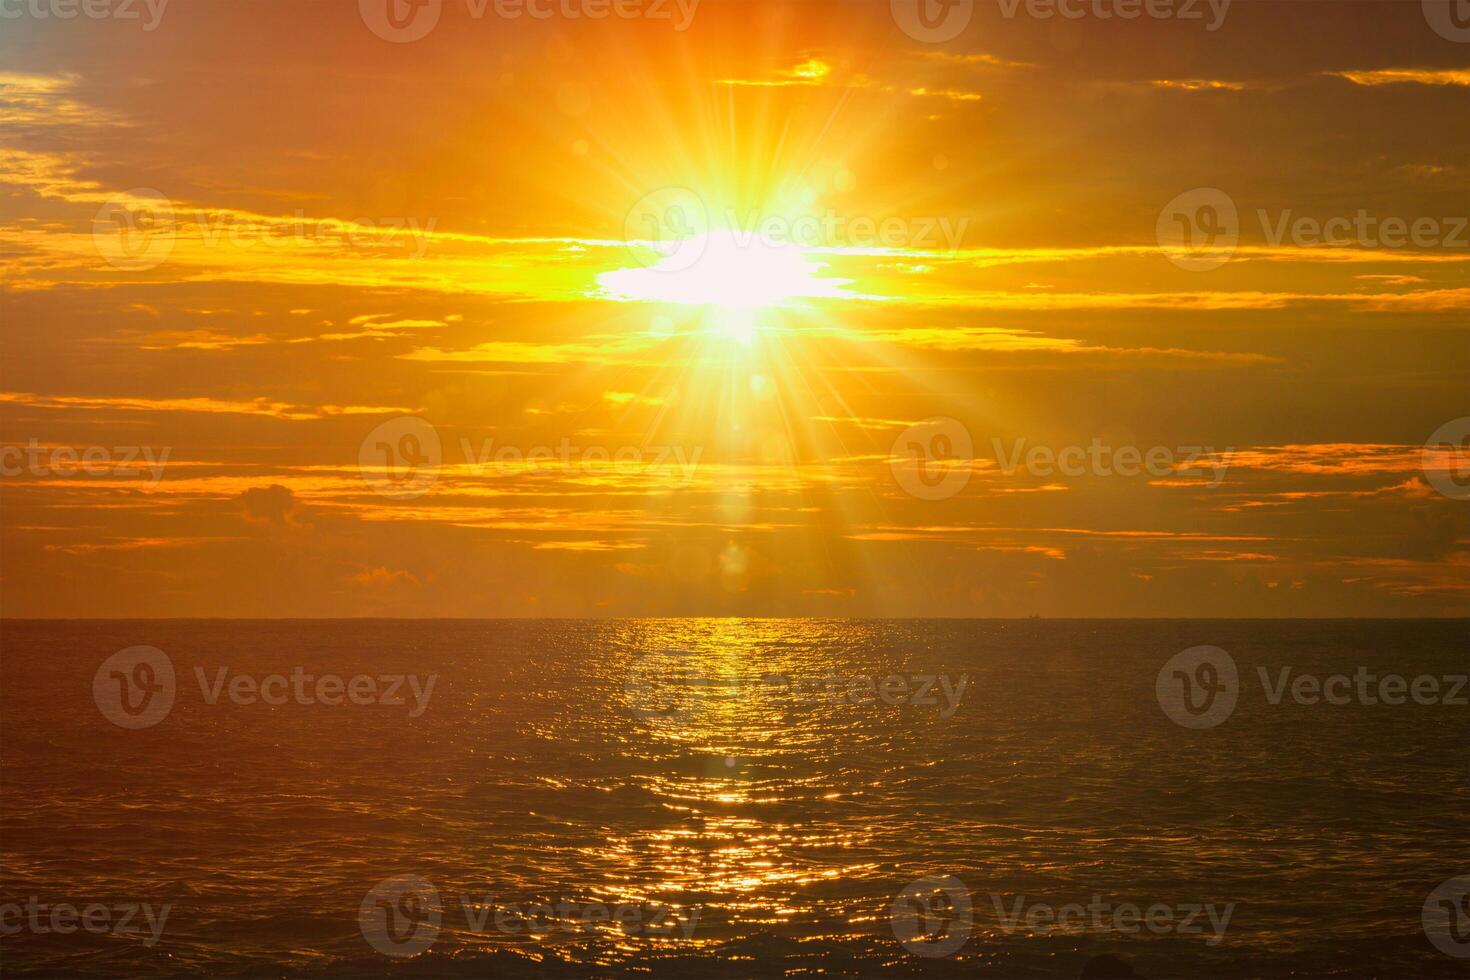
(726, 269)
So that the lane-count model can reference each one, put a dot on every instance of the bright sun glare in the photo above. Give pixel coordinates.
(731, 270)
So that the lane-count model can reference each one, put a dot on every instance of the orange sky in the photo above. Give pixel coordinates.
(681, 295)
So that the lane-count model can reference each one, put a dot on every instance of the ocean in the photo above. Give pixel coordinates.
(735, 798)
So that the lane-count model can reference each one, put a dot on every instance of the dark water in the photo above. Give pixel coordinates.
(593, 764)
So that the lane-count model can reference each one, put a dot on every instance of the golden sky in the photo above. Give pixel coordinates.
(733, 308)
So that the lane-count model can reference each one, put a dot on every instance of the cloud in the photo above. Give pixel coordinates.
(586, 545)
(382, 577)
(1407, 76)
(1199, 84)
(810, 72)
(200, 340)
(274, 505)
(952, 94)
(978, 59)
(40, 103)
(211, 406)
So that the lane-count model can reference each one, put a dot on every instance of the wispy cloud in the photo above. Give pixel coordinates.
(1407, 76)
(204, 405)
(1199, 84)
(813, 71)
